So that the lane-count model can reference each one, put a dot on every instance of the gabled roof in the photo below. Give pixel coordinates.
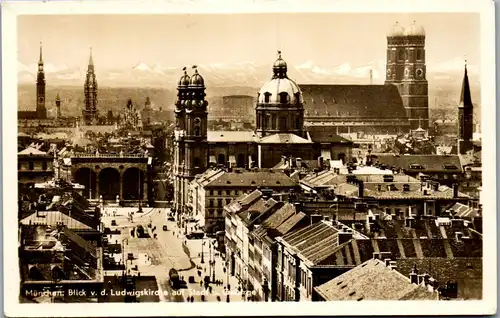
(289, 224)
(429, 163)
(54, 218)
(89, 248)
(232, 136)
(353, 101)
(325, 134)
(250, 179)
(278, 217)
(243, 202)
(373, 280)
(315, 242)
(284, 139)
(32, 151)
(253, 212)
(464, 211)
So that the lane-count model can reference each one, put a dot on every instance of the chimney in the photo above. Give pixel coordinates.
(266, 193)
(414, 275)
(345, 235)
(387, 261)
(298, 162)
(455, 190)
(458, 236)
(315, 218)
(361, 188)
(436, 186)
(320, 162)
(393, 265)
(376, 255)
(410, 221)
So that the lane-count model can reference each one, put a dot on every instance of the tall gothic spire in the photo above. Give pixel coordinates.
(91, 60)
(465, 97)
(40, 61)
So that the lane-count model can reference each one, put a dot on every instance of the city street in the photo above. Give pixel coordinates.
(156, 256)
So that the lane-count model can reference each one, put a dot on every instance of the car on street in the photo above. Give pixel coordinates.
(113, 223)
(165, 228)
(195, 235)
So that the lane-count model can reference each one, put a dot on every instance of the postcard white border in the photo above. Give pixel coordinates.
(9, 80)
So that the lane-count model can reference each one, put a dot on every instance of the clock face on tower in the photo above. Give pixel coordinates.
(420, 73)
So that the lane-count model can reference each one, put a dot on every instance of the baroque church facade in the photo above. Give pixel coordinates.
(279, 132)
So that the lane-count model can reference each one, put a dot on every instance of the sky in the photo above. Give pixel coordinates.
(328, 39)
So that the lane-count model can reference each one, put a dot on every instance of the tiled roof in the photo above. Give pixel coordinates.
(353, 101)
(253, 212)
(373, 280)
(32, 151)
(315, 242)
(289, 224)
(54, 218)
(429, 163)
(231, 136)
(467, 272)
(80, 242)
(326, 134)
(280, 216)
(243, 201)
(208, 176)
(463, 211)
(358, 251)
(284, 139)
(249, 179)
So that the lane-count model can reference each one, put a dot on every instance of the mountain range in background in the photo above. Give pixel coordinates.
(245, 78)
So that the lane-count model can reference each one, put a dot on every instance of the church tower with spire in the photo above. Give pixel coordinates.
(41, 111)
(90, 113)
(190, 135)
(58, 107)
(465, 120)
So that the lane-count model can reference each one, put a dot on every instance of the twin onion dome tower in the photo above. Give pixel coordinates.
(407, 70)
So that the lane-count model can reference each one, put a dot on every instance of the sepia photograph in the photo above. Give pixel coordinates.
(249, 158)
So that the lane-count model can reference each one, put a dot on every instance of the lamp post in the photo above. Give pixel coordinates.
(213, 261)
(123, 257)
(139, 191)
(202, 243)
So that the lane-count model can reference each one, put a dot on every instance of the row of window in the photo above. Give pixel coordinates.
(220, 202)
(31, 165)
(215, 212)
(225, 192)
(284, 98)
(269, 121)
(306, 281)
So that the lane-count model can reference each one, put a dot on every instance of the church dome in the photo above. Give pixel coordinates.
(415, 30)
(184, 81)
(280, 89)
(196, 79)
(396, 31)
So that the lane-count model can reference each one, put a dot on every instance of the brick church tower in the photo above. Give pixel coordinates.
(406, 69)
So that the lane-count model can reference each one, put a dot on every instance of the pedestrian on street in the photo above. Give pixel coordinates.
(201, 283)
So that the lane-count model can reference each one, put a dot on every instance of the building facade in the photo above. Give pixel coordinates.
(90, 112)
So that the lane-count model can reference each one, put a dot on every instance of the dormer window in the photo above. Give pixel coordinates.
(283, 97)
(267, 97)
(416, 166)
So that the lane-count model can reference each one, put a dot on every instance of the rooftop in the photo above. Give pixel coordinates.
(248, 179)
(314, 243)
(420, 163)
(373, 280)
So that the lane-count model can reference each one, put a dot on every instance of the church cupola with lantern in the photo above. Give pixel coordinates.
(279, 104)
